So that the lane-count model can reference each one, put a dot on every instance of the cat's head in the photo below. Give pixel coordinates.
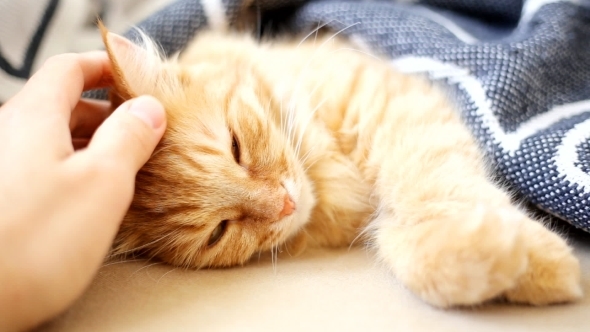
(224, 182)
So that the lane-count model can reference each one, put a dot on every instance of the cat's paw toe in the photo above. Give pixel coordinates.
(467, 262)
(553, 274)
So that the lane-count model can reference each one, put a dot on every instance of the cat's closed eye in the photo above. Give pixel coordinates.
(235, 149)
(217, 233)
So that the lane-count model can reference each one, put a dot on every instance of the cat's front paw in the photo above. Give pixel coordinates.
(553, 272)
(465, 259)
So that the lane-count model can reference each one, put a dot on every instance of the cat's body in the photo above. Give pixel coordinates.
(315, 144)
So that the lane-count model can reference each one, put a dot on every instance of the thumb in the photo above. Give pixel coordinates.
(130, 135)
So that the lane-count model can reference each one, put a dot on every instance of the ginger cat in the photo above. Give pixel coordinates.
(294, 144)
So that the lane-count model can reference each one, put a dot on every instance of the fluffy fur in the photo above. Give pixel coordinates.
(290, 144)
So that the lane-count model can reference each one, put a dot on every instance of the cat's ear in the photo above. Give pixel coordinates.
(135, 68)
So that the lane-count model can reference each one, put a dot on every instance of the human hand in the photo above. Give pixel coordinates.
(61, 207)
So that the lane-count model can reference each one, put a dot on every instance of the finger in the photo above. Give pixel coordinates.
(41, 111)
(129, 136)
(57, 86)
(49, 137)
(103, 174)
(87, 116)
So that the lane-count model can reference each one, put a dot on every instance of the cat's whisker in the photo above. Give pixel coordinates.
(323, 80)
(314, 31)
(274, 257)
(317, 52)
(184, 256)
(306, 124)
(360, 234)
(359, 51)
(295, 92)
(163, 149)
(163, 275)
(307, 154)
(316, 86)
(121, 262)
(186, 267)
(144, 267)
(320, 104)
(115, 254)
(291, 114)
(292, 126)
(340, 31)
(287, 250)
(310, 165)
(268, 109)
(283, 124)
(162, 246)
(315, 38)
(287, 128)
(305, 160)
(300, 139)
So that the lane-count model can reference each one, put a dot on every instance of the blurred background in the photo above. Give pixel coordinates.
(33, 30)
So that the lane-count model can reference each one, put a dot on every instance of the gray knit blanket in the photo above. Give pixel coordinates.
(519, 71)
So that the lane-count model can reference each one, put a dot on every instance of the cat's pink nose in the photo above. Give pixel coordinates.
(288, 207)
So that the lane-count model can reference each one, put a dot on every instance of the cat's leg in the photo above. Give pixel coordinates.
(444, 229)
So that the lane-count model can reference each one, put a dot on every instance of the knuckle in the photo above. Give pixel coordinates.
(68, 63)
(97, 169)
(62, 59)
(106, 166)
(104, 176)
(111, 174)
(115, 163)
(136, 136)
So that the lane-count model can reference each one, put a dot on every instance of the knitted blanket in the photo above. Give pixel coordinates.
(519, 72)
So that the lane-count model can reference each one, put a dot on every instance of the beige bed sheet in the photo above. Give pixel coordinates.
(328, 290)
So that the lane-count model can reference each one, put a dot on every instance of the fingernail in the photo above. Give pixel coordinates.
(149, 110)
